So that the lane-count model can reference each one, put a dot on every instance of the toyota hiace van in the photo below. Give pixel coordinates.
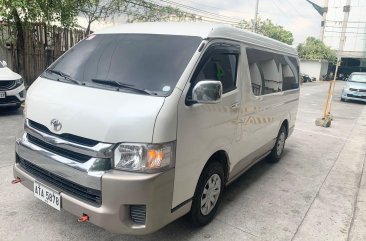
(140, 124)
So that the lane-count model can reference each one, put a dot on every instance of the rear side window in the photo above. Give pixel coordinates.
(271, 72)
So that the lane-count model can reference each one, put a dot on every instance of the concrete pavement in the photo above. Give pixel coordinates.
(316, 192)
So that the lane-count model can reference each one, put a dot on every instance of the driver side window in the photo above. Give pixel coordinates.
(219, 63)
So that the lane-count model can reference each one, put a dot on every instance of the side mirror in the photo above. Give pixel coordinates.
(4, 63)
(207, 92)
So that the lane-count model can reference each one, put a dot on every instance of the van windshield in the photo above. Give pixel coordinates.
(138, 63)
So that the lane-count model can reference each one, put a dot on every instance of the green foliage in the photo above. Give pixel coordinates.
(46, 11)
(269, 29)
(147, 11)
(314, 49)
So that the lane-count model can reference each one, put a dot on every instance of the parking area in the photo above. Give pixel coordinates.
(316, 192)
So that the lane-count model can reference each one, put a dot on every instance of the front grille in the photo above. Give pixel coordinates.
(138, 214)
(88, 194)
(7, 84)
(357, 90)
(9, 100)
(356, 96)
(57, 150)
(67, 137)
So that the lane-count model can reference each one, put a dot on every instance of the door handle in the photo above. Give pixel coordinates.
(235, 106)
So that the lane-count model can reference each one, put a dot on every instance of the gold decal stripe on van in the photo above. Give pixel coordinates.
(251, 120)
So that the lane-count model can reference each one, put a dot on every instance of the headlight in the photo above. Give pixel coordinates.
(19, 82)
(144, 157)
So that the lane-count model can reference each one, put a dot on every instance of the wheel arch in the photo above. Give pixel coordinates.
(222, 157)
(285, 123)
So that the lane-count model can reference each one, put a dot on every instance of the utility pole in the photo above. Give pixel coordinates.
(255, 16)
(327, 117)
(324, 17)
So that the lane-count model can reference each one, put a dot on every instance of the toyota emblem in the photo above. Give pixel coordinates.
(56, 125)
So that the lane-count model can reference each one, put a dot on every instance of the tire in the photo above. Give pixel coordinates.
(201, 215)
(277, 150)
(343, 99)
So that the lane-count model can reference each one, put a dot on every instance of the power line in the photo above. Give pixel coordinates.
(213, 7)
(352, 27)
(356, 33)
(226, 18)
(293, 6)
(274, 3)
(341, 21)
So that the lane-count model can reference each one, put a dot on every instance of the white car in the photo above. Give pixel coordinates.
(12, 90)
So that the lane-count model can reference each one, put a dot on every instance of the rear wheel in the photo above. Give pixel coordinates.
(208, 194)
(277, 150)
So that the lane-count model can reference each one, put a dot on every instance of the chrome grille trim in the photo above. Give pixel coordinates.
(87, 174)
(101, 150)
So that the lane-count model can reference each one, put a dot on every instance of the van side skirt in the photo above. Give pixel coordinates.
(252, 159)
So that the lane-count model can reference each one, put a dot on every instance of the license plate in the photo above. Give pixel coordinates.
(47, 195)
(2, 95)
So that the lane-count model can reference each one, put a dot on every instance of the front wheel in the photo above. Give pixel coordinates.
(208, 194)
(277, 150)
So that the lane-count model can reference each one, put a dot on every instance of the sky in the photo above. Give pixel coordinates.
(297, 16)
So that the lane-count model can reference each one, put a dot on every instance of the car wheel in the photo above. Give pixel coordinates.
(208, 194)
(277, 150)
(343, 99)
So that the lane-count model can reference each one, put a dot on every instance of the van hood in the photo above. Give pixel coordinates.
(98, 114)
(7, 74)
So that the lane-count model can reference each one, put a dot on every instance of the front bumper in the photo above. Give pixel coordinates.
(14, 97)
(119, 191)
(353, 95)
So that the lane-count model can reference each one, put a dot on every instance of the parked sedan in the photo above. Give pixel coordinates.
(305, 78)
(355, 88)
(12, 90)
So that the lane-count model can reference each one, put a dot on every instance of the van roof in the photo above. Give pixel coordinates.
(200, 29)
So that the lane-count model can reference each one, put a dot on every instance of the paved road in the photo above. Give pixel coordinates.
(316, 192)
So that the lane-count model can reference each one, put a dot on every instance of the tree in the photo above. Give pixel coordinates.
(314, 49)
(19, 13)
(147, 11)
(269, 29)
(96, 10)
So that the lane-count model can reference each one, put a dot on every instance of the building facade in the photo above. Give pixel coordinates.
(344, 29)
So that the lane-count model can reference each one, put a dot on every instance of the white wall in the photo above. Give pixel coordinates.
(314, 68)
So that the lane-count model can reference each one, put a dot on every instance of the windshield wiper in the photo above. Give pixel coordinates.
(65, 76)
(121, 85)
